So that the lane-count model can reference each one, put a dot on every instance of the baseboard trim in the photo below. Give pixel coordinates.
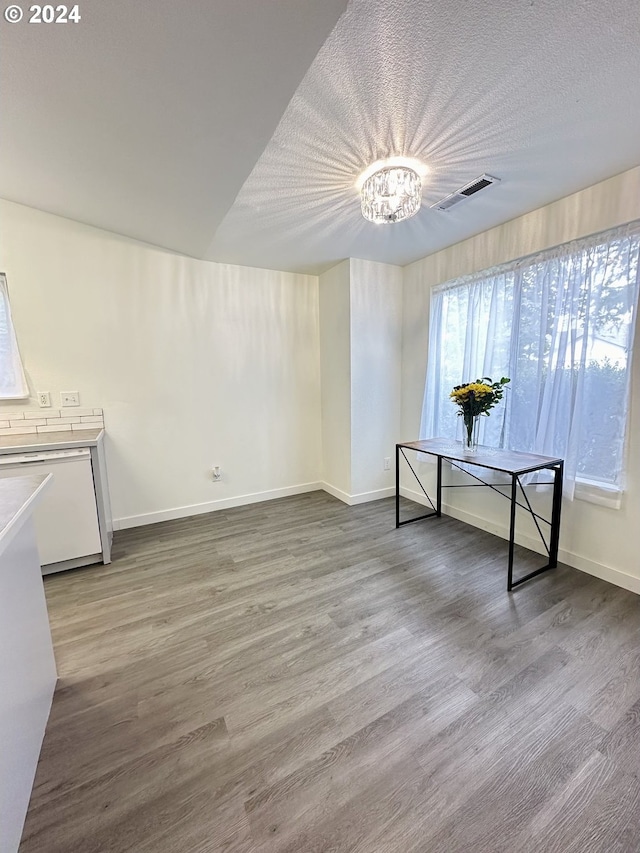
(336, 493)
(377, 495)
(598, 570)
(576, 561)
(361, 498)
(212, 506)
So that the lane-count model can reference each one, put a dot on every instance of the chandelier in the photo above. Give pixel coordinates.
(391, 194)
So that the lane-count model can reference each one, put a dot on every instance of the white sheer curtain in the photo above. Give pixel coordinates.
(560, 324)
(13, 384)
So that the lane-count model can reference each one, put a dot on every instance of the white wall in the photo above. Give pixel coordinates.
(194, 363)
(360, 342)
(335, 368)
(599, 540)
(197, 364)
(376, 329)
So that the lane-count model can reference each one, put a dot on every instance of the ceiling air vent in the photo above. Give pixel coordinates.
(466, 191)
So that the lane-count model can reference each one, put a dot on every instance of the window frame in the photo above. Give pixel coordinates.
(20, 389)
(597, 491)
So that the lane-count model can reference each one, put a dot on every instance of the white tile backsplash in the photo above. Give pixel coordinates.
(74, 411)
(50, 420)
(50, 428)
(32, 422)
(26, 430)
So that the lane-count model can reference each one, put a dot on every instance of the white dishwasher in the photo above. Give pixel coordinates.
(66, 519)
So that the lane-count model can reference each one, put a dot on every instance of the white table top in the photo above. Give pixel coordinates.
(509, 461)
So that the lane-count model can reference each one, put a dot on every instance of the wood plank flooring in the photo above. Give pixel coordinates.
(298, 676)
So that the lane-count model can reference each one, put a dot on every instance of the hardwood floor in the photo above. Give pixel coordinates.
(299, 676)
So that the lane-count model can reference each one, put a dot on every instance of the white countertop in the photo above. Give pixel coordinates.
(17, 496)
(37, 442)
(27, 665)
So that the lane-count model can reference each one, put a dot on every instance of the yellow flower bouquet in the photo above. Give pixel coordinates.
(475, 399)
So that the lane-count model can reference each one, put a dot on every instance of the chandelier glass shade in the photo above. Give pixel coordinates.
(391, 194)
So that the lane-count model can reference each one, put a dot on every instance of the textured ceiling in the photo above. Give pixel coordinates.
(194, 126)
(146, 117)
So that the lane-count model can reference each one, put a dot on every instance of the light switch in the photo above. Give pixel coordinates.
(69, 398)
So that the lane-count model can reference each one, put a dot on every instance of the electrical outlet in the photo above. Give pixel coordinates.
(216, 473)
(44, 399)
(69, 398)
(387, 463)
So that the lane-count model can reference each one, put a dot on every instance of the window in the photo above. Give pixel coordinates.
(560, 325)
(13, 384)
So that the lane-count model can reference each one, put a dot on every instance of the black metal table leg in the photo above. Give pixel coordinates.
(512, 530)
(397, 486)
(439, 489)
(554, 537)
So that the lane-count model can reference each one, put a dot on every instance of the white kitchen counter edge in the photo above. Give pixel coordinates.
(17, 497)
(63, 440)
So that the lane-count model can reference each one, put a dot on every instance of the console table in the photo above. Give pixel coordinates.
(510, 462)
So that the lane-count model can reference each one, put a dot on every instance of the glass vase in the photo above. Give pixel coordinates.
(470, 437)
